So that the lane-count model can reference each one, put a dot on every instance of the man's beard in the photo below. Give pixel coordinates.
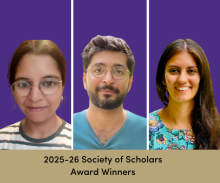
(106, 103)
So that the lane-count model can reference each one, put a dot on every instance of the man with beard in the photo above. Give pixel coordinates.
(108, 65)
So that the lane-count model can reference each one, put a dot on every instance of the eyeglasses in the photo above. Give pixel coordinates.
(48, 86)
(99, 71)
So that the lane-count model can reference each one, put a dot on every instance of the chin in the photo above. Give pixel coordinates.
(184, 99)
(38, 118)
(107, 97)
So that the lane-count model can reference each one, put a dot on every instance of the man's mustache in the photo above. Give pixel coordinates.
(109, 87)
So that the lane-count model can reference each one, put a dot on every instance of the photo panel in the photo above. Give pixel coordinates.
(185, 20)
(34, 21)
(120, 19)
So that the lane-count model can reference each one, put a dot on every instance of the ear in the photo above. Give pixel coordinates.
(163, 81)
(130, 83)
(84, 81)
(14, 100)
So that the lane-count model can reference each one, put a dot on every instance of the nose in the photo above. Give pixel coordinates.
(35, 94)
(182, 78)
(108, 78)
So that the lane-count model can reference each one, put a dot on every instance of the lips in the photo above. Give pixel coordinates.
(36, 109)
(183, 88)
(107, 91)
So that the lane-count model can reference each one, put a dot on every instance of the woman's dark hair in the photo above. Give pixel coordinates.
(101, 43)
(204, 117)
(37, 47)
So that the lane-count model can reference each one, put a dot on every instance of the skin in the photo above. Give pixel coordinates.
(182, 80)
(105, 123)
(39, 108)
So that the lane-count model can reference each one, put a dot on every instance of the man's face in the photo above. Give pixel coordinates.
(107, 92)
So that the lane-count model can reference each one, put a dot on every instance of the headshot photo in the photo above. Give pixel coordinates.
(189, 119)
(132, 32)
(17, 28)
(108, 65)
(37, 77)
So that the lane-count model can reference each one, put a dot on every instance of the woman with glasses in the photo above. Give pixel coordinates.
(37, 77)
(190, 119)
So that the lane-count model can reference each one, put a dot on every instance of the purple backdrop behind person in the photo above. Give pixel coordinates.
(122, 19)
(181, 20)
(27, 20)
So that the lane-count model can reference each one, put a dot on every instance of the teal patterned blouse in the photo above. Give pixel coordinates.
(163, 138)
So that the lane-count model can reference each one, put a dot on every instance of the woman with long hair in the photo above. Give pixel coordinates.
(36, 75)
(190, 119)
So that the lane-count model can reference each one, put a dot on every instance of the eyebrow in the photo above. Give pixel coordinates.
(179, 67)
(119, 65)
(21, 78)
(113, 65)
(51, 76)
(99, 63)
(27, 79)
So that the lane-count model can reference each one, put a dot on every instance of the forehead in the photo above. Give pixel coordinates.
(35, 67)
(109, 58)
(182, 59)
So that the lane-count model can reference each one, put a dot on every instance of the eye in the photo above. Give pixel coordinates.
(191, 71)
(98, 70)
(119, 71)
(48, 83)
(23, 84)
(173, 71)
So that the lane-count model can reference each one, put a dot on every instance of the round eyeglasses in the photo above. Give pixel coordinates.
(48, 86)
(99, 71)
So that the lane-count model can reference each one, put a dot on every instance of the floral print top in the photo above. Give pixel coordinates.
(163, 138)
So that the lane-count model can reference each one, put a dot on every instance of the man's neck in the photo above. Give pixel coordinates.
(106, 123)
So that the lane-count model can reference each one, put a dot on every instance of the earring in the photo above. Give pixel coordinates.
(61, 97)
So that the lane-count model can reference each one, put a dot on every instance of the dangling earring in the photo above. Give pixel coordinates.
(61, 97)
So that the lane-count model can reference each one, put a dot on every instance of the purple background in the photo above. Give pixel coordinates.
(118, 18)
(196, 20)
(27, 20)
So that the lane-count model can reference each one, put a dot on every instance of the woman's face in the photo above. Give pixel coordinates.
(182, 77)
(37, 106)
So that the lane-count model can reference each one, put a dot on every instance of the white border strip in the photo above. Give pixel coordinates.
(72, 67)
(148, 13)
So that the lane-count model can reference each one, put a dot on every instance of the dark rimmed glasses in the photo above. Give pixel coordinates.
(99, 71)
(48, 86)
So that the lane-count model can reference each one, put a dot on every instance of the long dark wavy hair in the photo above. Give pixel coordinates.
(205, 119)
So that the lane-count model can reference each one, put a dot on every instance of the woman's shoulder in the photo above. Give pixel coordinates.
(155, 123)
(11, 128)
(154, 114)
(65, 128)
(9, 133)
